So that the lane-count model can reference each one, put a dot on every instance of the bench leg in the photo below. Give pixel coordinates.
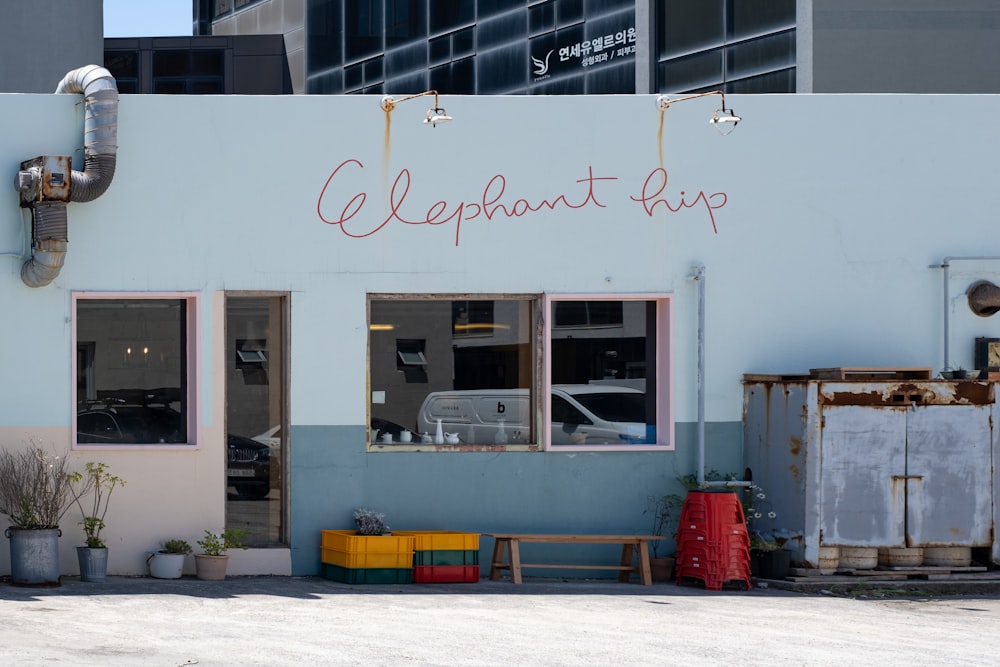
(626, 561)
(645, 574)
(515, 561)
(498, 562)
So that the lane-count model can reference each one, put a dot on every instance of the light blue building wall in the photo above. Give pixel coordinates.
(818, 221)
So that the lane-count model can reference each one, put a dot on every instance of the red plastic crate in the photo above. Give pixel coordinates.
(445, 574)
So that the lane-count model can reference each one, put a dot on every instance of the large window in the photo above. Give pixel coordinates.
(452, 372)
(608, 372)
(467, 373)
(133, 364)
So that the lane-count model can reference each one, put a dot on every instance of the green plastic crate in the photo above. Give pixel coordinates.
(445, 557)
(348, 575)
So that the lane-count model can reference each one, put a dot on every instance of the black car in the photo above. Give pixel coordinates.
(248, 465)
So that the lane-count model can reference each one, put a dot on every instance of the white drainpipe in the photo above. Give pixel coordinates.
(699, 277)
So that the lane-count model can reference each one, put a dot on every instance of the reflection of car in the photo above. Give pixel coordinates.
(129, 424)
(581, 414)
(248, 467)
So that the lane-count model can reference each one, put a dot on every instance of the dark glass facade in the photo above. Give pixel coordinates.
(470, 47)
(739, 46)
(539, 47)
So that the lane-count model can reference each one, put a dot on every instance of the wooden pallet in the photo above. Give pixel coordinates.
(871, 373)
(891, 573)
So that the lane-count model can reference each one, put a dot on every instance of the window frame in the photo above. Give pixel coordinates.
(664, 366)
(190, 301)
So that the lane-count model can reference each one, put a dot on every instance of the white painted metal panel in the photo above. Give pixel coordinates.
(863, 447)
(949, 490)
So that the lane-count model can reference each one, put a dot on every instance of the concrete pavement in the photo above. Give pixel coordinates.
(312, 621)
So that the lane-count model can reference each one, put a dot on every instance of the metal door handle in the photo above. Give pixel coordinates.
(907, 476)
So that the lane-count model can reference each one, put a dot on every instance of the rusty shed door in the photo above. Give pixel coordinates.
(863, 447)
(906, 476)
(949, 491)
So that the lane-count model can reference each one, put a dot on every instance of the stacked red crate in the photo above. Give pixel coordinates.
(712, 542)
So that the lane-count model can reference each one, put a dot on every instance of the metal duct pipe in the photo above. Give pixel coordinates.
(48, 246)
(984, 298)
(42, 183)
(100, 130)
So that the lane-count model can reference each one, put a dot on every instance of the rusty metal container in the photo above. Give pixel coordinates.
(877, 459)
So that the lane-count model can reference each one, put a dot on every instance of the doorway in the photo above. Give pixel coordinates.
(256, 411)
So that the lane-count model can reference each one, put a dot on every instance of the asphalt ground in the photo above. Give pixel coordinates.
(313, 621)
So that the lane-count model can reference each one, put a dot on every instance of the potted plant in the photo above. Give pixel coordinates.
(666, 515)
(768, 557)
(370, 522)
(212, 562)
(168, 561)
(36, 490)
(97, 481)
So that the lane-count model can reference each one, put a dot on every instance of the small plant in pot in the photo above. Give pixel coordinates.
(665, 511)
(168, 561)
(100, 483)
(213, 560)
(370, 522)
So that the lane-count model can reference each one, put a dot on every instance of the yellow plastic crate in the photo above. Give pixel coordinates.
(441, 540)
(349, 541)
(356, 560)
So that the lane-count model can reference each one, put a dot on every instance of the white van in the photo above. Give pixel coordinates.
(581, 414)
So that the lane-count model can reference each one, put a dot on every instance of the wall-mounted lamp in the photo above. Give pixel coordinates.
(435, 114)
(724, 120)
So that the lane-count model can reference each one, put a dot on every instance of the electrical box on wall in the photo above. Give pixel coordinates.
(44, 178)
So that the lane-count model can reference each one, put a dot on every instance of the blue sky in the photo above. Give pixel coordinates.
(147, 18)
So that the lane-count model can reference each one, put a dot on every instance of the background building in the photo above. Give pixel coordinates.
(524, 47)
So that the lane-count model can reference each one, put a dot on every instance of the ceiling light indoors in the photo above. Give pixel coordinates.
(435, 114)
(723, 119)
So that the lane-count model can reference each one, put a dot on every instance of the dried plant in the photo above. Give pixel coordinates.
(36, 488)
(370, 522)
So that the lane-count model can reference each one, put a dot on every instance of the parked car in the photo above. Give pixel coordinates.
(248, 466)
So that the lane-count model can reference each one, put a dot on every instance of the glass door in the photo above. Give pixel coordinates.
(256, 427)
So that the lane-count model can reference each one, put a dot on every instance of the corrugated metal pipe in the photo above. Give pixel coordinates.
(49, 234)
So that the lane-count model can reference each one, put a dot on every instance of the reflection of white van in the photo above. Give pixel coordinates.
(581, 414)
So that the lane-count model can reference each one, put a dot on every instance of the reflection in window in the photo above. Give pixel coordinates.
(132, 371)
(255, 411)
(468, 364)
(607, 374)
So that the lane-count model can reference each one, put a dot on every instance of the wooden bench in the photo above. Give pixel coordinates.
(507, 554)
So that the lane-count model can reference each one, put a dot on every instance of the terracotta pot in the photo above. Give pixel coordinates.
(210, 568)
(662, 568)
